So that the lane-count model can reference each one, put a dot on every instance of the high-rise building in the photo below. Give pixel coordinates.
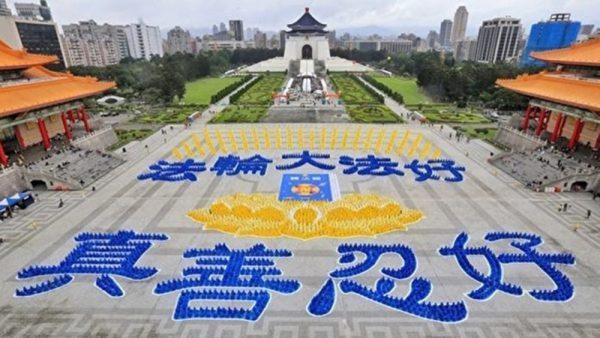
(459, 26)
(273, 42)
(585, 32)
(586, 29)
(89, 44)
(465, 50)
(215, 29)
(4, 10)
(558, 32)
(396, 47)
(282, 38)
(432, 39)
(445, 32)
(178, 41)
(222, 27)
(236, 27)
(332, 37)
(34, 11)
(144, 41)
(498, 40)
(260, 40)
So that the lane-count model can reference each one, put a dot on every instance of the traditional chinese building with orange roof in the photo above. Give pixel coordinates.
(37, 104)
(564, 102)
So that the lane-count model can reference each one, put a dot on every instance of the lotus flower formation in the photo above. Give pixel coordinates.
(263, 215)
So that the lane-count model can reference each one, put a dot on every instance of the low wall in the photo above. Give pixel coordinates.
(517, 140)
(97, 140)
(11, 182)
(566, 184)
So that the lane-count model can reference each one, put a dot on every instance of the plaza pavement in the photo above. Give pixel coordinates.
(486, 201)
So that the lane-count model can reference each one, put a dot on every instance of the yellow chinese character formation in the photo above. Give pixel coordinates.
(381, 140)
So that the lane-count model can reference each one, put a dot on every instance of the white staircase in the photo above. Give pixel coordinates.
(307, 67)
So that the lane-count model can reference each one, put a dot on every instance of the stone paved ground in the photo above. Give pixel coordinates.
(484, 202)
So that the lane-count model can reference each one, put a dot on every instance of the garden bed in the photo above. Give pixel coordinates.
(372, 114)
(128, 136)
(240, 114)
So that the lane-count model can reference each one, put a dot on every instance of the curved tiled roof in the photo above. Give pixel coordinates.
(50, 89)
(553, 87)
(19, 59)
(583, 54)
(307, 23)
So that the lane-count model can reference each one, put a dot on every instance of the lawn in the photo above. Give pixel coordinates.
(451, 115)
(406, 86)
(128, 136)
(200, 91)
(240, 114)
(261, 93)
(352, 92)
(170, 115)
(372, 114)
(486, 134)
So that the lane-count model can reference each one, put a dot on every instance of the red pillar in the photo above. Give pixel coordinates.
(576, 133)
(597, 146)
(562, 126)
(68, 134)
(557, 128)
(44, 133)
(3, 157)
(84, 118)
(525, 123)
(541, 121)
(71, 116)
(19, 137)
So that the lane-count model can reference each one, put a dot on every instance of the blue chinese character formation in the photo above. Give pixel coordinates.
(414, 303)
(174, 172)
(306, 158)
(228, 276)
(430, 169)
(98, 254)
(232, 165)
(370, 166)
(526, 244)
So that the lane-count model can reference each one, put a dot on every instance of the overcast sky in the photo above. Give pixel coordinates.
(390, 16)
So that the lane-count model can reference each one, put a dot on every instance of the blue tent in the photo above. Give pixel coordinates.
(13, 200)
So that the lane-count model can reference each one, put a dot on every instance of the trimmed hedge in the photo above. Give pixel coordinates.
(235, 97)
(371, 91)
(229, 89)
(389, 92)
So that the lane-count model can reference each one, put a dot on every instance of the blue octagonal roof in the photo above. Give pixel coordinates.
(307, 24)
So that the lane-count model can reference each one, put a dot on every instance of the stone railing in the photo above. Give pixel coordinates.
(517, 140)
(97, 140)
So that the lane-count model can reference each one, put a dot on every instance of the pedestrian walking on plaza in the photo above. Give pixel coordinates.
(61, 203)
(589, 214)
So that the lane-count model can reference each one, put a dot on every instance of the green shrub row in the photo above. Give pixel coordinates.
(235, 97)
(387, 90)
(229, 89)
